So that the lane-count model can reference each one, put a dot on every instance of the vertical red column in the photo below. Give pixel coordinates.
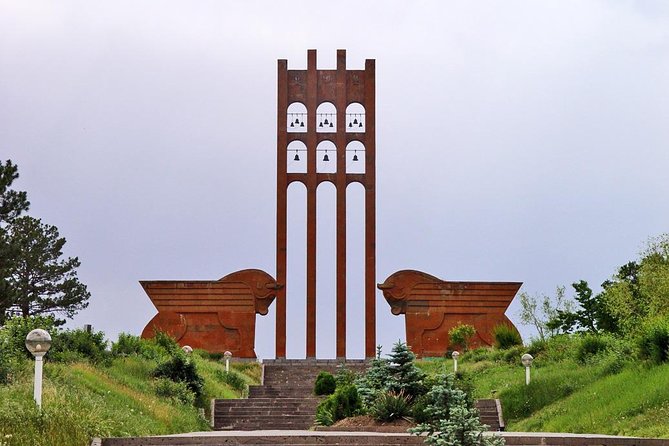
(312, 185)
(281, 207)
(370, 209)
(340, 185)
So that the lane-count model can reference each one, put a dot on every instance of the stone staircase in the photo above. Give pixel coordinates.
(491, 414)
(284, 401)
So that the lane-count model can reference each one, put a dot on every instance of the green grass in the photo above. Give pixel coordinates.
(566, 396)
(82, 401)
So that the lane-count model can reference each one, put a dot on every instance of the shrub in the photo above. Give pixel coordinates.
(13, 333)
(180, 368)
(345, 376)
(374, 380)
(461, 335)
(74, 345)
(391, 406)
(506, 336)
(232, 378)
(343, 403)
(176, 391)
(451, 420)
(130, 345)
(325, 384)
(512, 355)
(653, 341)
(590, 345)
(166, 342)
(478, 354)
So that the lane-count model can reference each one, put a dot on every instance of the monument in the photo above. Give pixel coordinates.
(216, 316)
(325, 117)
(349, 117)
(432, 307)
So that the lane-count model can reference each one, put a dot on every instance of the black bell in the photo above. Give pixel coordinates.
(355, 157)
(326, 157)
(355, 120)
(360, 125)
(326, 122)
(321, 124)
(350, 124)
(292, 124)
(297, 120)
(302, 124)
(297, 157)
(331, 124)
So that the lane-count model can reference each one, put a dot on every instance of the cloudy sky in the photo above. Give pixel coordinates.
(516, 141)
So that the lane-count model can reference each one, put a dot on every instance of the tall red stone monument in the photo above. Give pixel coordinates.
(326, 133)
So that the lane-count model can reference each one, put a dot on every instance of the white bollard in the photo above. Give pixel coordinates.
(527, 359)
(227, 355)
(455, 355)
(38, 342)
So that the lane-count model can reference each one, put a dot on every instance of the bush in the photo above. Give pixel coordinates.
(461, 335)
(325, 384)
(590, 346)
(512, 355)
(181, 368)
(391, 406)
(232, 378)
(176, 391)
(374, 380)
(345, 376)
(506, 336)
(13, 333)
(653, 341)
(130, 345)
(343, 403)
(78, 344)
(166, 342)
(451, 420)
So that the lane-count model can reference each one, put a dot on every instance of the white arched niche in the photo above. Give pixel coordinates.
(326, 157)
(326, 118)
(297, 118)
(296, 158)
(355, 118)
(355, 157)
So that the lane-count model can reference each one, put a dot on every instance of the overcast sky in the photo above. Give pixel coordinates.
(516, 141)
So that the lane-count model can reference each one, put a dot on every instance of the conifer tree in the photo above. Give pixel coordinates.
(404, 375)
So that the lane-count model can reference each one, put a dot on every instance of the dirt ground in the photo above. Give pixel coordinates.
(369, 424)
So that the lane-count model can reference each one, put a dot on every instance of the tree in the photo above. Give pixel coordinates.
(451, 419)
(12, 204)
(592, 316)
(533, 312)
(40, 281)
(404, 375)
(640, 289)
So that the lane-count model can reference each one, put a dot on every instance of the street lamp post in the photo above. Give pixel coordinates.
(455, 355)
(38, 343)
(227, 355)
(527, 359)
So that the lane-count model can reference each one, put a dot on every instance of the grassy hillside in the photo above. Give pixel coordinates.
(117, 398)
(619, 396)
